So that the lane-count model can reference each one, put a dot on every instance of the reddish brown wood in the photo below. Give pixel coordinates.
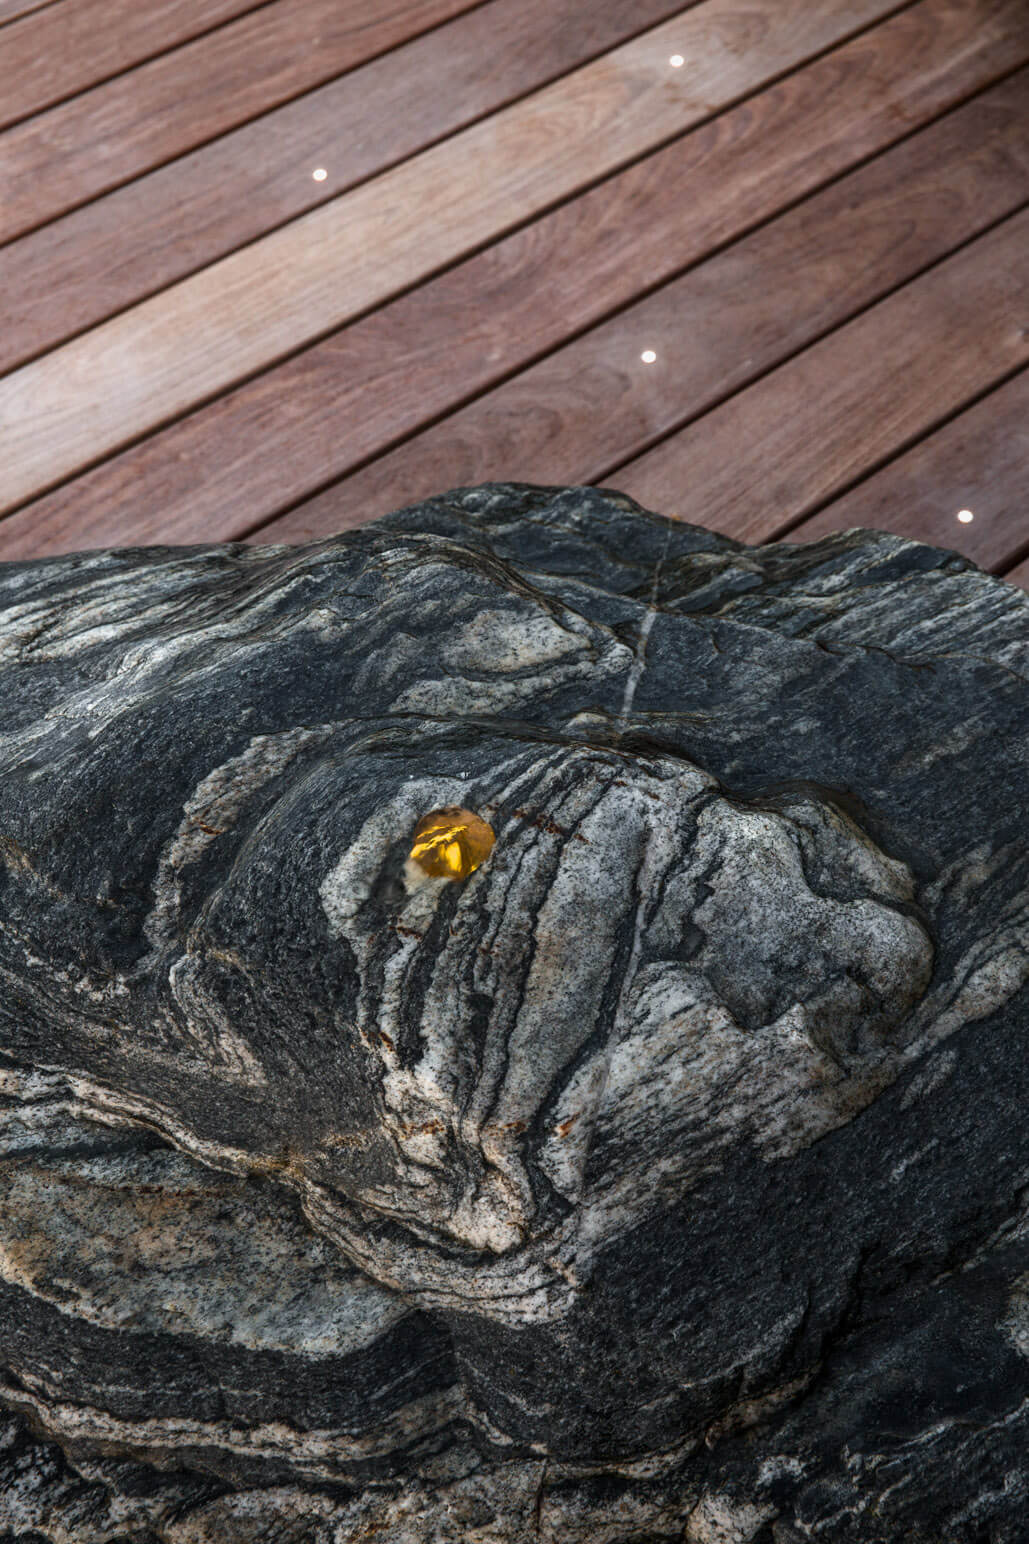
(979, 462)
(216, 473)
(78, 270)
(579, 413)
(1018, 576)
(773, 453)
(68, 155)
(66, 48)
(10, 10)
(160, 359)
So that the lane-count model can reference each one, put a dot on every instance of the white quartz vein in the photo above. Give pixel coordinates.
(639, 662)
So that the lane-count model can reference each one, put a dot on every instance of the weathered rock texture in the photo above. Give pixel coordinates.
(666, 1179)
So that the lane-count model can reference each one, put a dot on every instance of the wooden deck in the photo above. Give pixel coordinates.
(270, 270)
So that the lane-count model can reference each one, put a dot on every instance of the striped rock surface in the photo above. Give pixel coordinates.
(665, 1178)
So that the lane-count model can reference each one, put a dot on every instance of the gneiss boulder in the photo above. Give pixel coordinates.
(513, 1027)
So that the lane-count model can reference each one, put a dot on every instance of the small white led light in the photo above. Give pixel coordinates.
(676, 60)
(965, 515)
(648, 356)
(319, 174)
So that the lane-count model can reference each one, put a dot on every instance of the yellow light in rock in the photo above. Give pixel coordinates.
(676, 60)
(450, 843)
(648, 356)
(319, 174)
(965, 515)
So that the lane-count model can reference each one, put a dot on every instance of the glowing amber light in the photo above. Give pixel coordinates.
(450, 843)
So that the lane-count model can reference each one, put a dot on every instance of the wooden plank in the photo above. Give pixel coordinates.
(66, 48)
(246, 456)
(595, 402)
(1018, 576)
(166, 107)
(104, 257)
(83, 400)
(10, 10)
(977, 463)
(774, 452)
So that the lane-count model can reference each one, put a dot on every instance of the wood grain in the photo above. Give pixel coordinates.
(979, 461)
(248, 455)
(122, 379)
(775, 452)
(68, 47)
(595, 402)
(115, 251)
(10, 10)
(70, 154)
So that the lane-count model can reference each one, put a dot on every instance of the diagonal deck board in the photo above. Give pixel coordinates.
(979, 461)
(70, 154)
(10, 10)
(776, 451)
(237, 462)
(115, 251)
(592, 404)
(794, 243)
(125, 377)
(66, 48)
(1019, 575)
(108, 255)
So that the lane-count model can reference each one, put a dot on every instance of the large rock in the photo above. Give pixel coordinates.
(662, 1178)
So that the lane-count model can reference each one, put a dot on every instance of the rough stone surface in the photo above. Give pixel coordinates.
(667, 1178)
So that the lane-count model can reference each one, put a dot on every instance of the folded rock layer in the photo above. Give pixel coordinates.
(657, 1173)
